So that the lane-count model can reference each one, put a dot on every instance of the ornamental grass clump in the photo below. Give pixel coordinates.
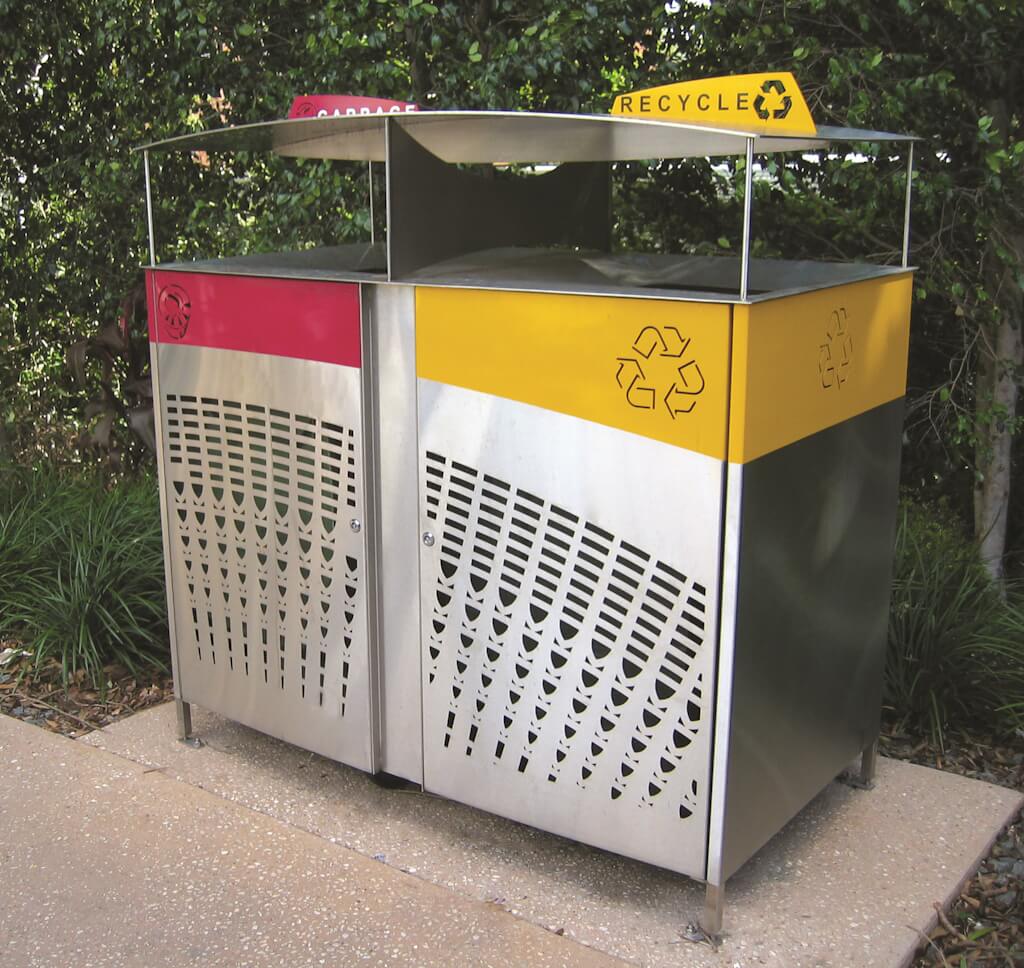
(956, 644)
(81, 572)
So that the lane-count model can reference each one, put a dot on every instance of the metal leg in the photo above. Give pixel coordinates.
(868, 763)
(864, 778)
(185, 723)
(714, 904)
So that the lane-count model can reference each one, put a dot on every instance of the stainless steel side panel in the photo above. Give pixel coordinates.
(391, 316)
(263, 463)
(568, 588)
(815, 538)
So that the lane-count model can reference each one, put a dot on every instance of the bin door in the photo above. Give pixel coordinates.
(261, 446)
(571, 466)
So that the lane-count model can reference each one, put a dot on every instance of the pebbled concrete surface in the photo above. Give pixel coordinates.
(108, 863)
(843, 885)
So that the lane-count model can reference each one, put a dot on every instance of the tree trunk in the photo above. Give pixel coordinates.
(1002, 355)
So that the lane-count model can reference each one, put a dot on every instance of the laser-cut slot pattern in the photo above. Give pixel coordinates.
(256, 498)
(568, 647)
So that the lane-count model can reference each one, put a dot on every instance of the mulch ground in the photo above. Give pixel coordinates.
(39, 696)
(985, 926)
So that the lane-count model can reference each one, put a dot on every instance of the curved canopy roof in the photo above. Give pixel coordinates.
(483, 137)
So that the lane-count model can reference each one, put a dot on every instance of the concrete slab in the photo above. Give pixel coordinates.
(106, 863)
(844, 885)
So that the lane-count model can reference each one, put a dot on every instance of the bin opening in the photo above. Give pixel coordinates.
(284, 213)
(703, 278)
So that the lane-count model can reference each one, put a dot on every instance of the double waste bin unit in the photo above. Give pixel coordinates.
(597, 542)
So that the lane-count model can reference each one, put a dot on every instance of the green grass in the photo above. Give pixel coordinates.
(81, 571)
(956, 647)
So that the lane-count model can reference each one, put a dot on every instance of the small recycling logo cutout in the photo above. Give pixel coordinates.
(175, 310)
(660, 372)
(836, 354)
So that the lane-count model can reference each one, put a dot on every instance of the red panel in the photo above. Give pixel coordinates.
(279, 317)
(337, 105)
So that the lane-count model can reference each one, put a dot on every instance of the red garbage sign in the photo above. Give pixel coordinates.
(341, 105)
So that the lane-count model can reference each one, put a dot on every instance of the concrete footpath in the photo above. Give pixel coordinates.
(129, 848)
(107, 862)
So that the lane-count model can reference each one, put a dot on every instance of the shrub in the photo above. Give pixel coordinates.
(956, 647)
(81, 571)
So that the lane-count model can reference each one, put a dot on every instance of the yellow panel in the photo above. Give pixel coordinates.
(759, 103)
(651, 367)
(804, 363)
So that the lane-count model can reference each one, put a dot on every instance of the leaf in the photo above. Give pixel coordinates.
(99, 436)
(111, 337)
(77, 354)
(142, 423)
(141, 386)
(246, 30)
(95, 407)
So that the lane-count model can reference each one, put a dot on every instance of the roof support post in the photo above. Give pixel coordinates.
(369, 174)
(149, 210)
(747, 199)
(906, 207)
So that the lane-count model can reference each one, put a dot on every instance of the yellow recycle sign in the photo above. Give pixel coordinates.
(660, 372)
(765, 103)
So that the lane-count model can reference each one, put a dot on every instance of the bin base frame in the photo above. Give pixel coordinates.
(184, 715)
(714, 908)
(868, 766)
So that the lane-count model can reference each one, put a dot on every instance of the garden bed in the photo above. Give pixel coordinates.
(38, 696)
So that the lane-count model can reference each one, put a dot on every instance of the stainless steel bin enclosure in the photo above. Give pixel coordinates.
(617, 564)
(260, 395)
(613, 554)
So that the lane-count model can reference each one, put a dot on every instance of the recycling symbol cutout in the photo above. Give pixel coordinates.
(784, 101)
(175, 309)
(836, 353)
(660, 372)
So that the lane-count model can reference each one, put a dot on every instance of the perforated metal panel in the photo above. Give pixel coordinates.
(263, 467)
(568, 620)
